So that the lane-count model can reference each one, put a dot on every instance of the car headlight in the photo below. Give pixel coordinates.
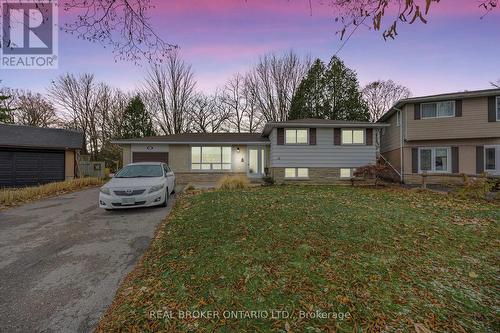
(105, 190)
(155, 188)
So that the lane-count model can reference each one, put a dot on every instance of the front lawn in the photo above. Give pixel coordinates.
(361, 259)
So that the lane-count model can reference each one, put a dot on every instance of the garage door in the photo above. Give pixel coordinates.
(150, 157)
(27, 168)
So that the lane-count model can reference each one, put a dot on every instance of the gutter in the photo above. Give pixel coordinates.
(192, 142)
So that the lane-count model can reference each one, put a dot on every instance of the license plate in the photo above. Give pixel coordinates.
(128, 201)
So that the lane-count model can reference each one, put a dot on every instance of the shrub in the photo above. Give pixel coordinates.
(475, 188)
(11, 197)
(268, 180)
(233, 182)
(374, 171)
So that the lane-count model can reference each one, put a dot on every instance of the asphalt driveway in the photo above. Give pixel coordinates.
(62, 259)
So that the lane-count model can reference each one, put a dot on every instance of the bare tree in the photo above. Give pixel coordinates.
(385, 15)
(168, 90)
(382, 95)
(252, 111)
(79, 99)
(274, 81)
(33, 109)
(234, 102)
(206, 115)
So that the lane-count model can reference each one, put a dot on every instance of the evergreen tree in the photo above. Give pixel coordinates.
(329, 92)
(5, 113)
(137, 122)
(309, 100)
(345, 100)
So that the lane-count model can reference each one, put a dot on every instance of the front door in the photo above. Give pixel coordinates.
(256, 161)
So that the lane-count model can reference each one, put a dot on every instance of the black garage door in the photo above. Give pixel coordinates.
(30, 167)
(150, 157)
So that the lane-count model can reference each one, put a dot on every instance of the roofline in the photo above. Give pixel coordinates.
(40, 147)
(269, 126)
(120, 142)
(431, 98)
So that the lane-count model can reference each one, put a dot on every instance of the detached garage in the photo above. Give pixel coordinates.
(31, 155)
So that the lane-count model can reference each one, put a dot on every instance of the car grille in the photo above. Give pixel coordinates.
(138, 203)
(129, 194)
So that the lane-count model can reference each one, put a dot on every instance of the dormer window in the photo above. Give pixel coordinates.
(438, 109)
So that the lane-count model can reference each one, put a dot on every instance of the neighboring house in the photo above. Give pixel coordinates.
(308, 150)
(444, 136)
(33, 155)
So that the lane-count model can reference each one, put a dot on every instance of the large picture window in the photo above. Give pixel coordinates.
(353, 136)
(438, 109)
(211, 158)
(434, 159)
(295, 136)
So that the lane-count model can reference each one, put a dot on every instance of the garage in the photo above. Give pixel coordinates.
(30, 167)
(31, 155)
(149, 157)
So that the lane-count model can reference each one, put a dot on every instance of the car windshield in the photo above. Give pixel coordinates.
(140, 170)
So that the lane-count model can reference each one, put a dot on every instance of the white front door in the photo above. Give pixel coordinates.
(256, 161)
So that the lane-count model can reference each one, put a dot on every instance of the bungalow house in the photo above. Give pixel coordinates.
(33, 155)
(306, 150)
(443, 136)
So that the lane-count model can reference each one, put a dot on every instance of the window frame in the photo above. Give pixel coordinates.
(433, 160)
(497, 108)
(297, 143)
(352, 136)
(296, 172)
(497, 151)
(453, 103)
(211, 164)
(351, 173)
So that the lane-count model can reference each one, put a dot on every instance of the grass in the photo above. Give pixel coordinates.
(386, 260)
(17, 196)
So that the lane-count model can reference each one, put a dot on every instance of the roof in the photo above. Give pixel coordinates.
(311, 122)
(440, 97)
(38, 137)
(206, 138)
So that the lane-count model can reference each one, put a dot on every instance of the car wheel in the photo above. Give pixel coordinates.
(165, 202)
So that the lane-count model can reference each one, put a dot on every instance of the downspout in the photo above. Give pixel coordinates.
(400, 142)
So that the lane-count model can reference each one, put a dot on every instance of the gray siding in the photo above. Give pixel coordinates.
(323, 154)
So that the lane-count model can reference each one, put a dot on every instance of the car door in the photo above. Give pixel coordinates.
(169, 175)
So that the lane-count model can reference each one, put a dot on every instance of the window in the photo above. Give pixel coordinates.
(490, 159)
(140, 170)
(211, 158)
(295, 136)
(438, 109)
(353, 137)
(434, 159)
(346, 173)
(296, 173)
(498, 108)
(398, 118)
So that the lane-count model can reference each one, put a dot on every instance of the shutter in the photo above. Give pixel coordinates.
(458, 108)
(369, 136)
(492, 117)
(281, 136)
(336, 136)
(312, 136)
(416, 111)
(454, 160)
(479, 159)
(414, 160)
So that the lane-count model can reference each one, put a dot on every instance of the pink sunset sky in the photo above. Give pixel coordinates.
(456, 50)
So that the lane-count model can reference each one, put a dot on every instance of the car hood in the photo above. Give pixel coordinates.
(134, 182)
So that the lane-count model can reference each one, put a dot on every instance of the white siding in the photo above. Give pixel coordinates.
(323, 154)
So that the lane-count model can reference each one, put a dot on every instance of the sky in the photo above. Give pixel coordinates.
(456, 50)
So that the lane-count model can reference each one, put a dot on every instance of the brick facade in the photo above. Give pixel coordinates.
(316, 176)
